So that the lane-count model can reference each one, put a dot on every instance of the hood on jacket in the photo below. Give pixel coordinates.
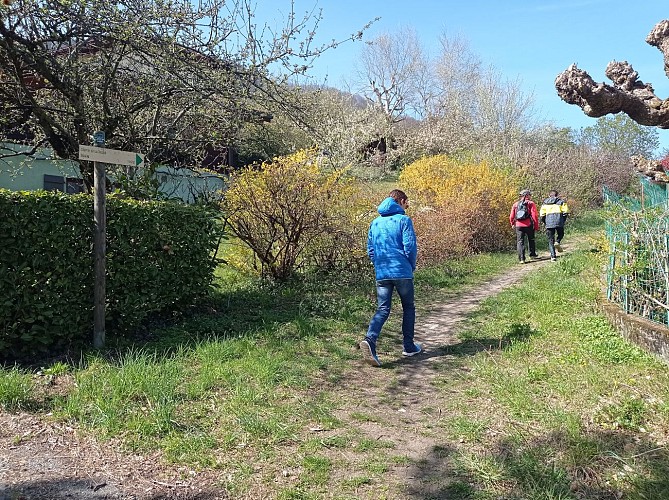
(389, 207)
(551, 201)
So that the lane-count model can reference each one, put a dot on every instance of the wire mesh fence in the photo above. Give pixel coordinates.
(637, 231)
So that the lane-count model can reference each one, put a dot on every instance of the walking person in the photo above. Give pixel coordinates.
(524, 218)
(391, 246)
(553, 213)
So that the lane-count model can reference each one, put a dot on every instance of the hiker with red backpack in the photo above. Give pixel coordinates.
(524, 218)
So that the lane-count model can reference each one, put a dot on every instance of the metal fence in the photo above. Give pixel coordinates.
(637, 230)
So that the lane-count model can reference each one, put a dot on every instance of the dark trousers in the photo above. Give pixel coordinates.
(551, 232)
(521, 232)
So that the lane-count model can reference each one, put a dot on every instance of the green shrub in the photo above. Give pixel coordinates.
(158, 257)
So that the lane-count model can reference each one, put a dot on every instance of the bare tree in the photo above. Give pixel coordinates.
(465, 104)
(391, 67)
(173, 79)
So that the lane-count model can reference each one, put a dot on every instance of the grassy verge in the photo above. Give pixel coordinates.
(556, 404)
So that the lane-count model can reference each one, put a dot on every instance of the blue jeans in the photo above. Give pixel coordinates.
(550, 234)
(384, 294)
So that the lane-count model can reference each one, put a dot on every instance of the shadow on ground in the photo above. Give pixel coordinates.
(598, 464)
(68, 489)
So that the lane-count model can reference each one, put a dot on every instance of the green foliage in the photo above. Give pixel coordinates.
(46, 270)
(58, 368)
(16, 390)
(620, 135)
(158, 257)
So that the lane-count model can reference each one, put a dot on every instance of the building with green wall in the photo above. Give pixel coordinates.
(43, 171)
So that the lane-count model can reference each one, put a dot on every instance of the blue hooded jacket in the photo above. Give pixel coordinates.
(391, 242)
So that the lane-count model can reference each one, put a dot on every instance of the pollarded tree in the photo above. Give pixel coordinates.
(173, 79)
(628, 94)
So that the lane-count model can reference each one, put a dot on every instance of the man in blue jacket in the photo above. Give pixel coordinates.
(391, 245)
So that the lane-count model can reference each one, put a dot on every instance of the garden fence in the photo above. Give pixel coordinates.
(637, 231)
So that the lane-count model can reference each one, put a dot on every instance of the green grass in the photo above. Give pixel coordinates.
(563, 398)
(541, 398)
(16, 390)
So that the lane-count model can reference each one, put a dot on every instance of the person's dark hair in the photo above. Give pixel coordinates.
(398, 195)
(553, 193)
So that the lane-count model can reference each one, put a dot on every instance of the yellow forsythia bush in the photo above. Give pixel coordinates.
(463, 206)
(294, 216)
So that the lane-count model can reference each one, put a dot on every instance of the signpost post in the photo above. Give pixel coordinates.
(99, 156)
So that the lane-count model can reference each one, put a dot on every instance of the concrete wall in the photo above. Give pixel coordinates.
(650, 336)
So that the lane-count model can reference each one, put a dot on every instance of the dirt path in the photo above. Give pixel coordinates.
(403, 407)
(44, 460)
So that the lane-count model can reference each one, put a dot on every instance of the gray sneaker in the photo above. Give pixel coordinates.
(558, 247)
(369, 353)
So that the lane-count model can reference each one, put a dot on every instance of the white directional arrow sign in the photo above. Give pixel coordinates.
(113, 156)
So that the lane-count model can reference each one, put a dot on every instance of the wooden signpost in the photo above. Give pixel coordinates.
(100, 156)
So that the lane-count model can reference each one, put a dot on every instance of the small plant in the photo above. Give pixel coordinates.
(629, 414)
(603, 342)
(16, 390)
(519, 332)
(56, 369)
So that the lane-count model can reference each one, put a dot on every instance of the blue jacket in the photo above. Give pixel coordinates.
(391, 242)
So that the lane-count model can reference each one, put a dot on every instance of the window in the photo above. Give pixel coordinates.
(54, 183)
(74, 185)
(69, 185)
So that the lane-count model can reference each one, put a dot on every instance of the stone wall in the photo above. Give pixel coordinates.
(650, 336)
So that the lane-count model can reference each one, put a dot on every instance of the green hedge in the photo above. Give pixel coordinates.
(158, 259)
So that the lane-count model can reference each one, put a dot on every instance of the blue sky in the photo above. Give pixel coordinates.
(532, 40)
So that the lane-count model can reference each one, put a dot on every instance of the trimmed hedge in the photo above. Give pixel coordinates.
(158, 259)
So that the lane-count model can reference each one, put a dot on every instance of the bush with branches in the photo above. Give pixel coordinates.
(296, 216)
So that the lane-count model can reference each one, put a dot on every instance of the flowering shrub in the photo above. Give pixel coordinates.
(295, 216)
(466, 206)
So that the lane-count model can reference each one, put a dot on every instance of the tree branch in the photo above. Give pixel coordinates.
(628, 94)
